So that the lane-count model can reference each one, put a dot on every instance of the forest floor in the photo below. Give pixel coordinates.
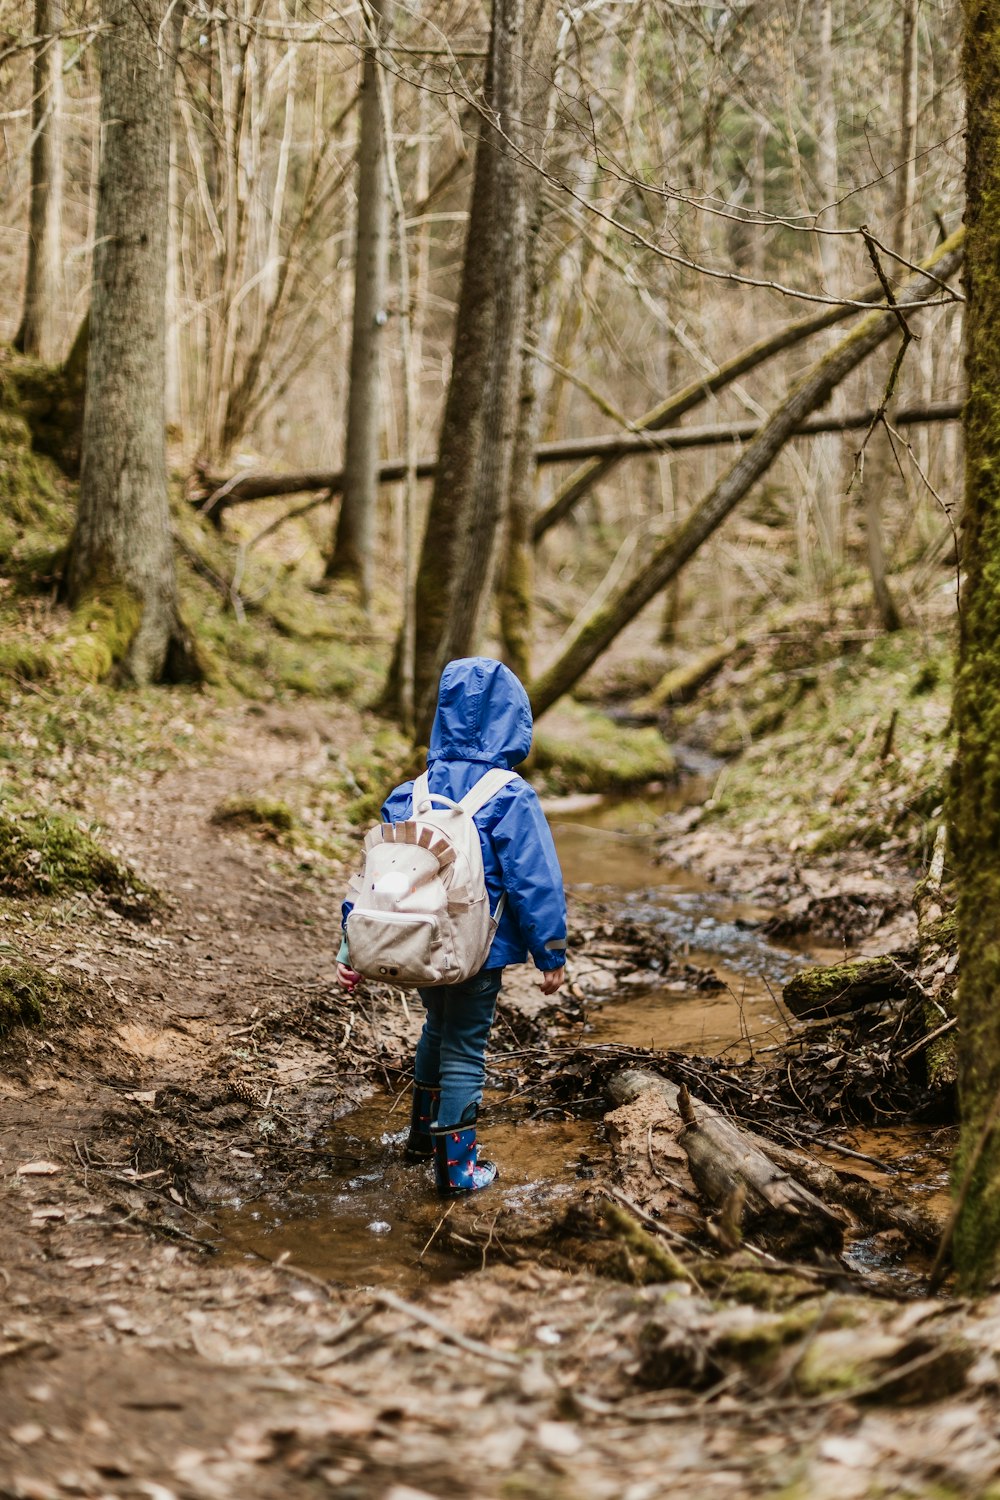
(202, 1057)
(190, 1110)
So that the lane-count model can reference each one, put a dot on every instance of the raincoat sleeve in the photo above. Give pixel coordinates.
(395, 809)
(532, 878)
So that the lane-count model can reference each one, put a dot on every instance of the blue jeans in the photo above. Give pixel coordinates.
(451, 1052)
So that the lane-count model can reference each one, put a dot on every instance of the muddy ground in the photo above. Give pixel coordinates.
(204, 1060)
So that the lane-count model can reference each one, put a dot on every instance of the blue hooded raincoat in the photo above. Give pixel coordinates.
(483, 719)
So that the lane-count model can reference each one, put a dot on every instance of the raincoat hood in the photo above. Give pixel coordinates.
(483, 714)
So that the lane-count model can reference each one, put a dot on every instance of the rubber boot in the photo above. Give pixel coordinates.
(419, 1146)
(457, 1168)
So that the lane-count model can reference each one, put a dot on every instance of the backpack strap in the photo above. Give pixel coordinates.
(485, 790)
(421, 791)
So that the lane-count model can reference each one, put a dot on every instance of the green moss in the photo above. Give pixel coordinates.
(50, 399)
(24, 661)
(760, 1342)
(943, 932)
(747, 1284)
(50, 854)
(365, 776)
(27, 995)
(285, 637)
(272, 818)
(35, 513)
(100, 632)
(828, 780)
(579, 749)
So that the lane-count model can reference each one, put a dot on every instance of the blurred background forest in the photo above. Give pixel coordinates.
(694, 178)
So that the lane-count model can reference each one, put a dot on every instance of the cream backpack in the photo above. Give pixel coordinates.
(421, 913)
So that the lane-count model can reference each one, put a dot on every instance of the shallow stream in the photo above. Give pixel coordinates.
(368, 1219)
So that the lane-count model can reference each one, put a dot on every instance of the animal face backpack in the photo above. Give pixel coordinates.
(421, 913)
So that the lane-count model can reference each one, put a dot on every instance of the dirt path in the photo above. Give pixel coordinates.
(206, 1059)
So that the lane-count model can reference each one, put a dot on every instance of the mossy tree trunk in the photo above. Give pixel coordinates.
(516, 586)
(121, 553)
(39, 330)
(975, 803)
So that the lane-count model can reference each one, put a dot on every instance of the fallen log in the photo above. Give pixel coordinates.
(213, 493)
(838, 989)
(727, 1160)
(871, 1204)
(663, 563)
(683, 683)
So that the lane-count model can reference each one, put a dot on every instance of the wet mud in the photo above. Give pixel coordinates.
(365, 1218)
(210, 1099)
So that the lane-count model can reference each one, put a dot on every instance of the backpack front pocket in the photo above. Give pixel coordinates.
(399, 947)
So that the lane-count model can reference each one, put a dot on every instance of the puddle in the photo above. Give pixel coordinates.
(608, 853)
(920, 1157)
(367, 1219)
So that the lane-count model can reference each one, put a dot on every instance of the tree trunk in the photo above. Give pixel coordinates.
(872, 489)
(215, 494)
(827, 454)
(506, 249)
(39, 330)
(907, 187)
(724, 1158)
(880, 467)
(516, 592)
(517, 583)
(975, 803)
(121, 556)
(597, 633)
(459, 438)
(475, 451)
(353, 554)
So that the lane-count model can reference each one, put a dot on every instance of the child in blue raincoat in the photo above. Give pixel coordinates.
(483, 719)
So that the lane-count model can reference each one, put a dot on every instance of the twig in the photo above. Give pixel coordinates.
(450, 1335)
(657, 1226)
(884, 281)
(871, 1161)
(925, 1041)
(437, 1227)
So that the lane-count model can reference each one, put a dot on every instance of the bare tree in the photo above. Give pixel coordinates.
(121, 555)
(476, 446)
(353, 554)
(40, 322)
(605, 622)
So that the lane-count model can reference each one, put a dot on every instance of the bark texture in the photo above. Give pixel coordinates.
(475, 452)
(121, 553)
(975, 804)
(353, 554)
(39, 330)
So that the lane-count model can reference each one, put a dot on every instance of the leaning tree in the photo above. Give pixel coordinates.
(121, 556)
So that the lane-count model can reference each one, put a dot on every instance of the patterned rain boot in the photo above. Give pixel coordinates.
(456, 1165)
(419, 1146)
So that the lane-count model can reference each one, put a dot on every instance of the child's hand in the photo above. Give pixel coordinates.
(551, 980)
(347, 977)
